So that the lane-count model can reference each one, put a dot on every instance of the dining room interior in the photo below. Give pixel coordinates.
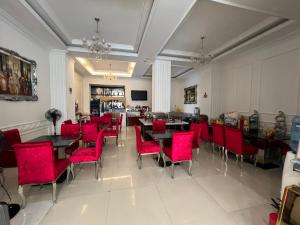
(149, 112)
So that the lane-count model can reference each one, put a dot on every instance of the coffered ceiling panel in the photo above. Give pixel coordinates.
(220, 23)
(121, 21)
(102, 67)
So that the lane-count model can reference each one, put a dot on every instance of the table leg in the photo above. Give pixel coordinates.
(160, 160)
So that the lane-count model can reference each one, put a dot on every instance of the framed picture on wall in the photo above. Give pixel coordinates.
(18, 81)
(190, 95)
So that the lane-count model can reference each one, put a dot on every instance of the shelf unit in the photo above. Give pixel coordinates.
(110, 96)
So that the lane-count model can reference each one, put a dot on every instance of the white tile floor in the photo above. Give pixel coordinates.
(217, 193)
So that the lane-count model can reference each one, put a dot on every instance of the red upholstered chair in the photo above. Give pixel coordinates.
(73, 131)
(181, 149)
(107, 118)
(159, 126)
(7, 155)
(67, 122)
(234, 143)
(89, 133)
(205, 135)
(218, 136)
(114, 132)
(273, 218)
(93, 118)
(145, 147)
(89, 155)
(120, 121)
(197, 134)
(37, 164)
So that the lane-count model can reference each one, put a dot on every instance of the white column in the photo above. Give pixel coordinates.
(161, 86)
(58, 83)
(70, 88)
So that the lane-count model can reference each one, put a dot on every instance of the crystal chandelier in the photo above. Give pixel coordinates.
(109, 75)
(203, 58)
(97, 45)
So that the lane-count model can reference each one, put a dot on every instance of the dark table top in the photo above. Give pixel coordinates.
(160, 136)
(263, 137)
(57, 140)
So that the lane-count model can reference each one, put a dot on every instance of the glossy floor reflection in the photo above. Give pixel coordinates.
(217, 193)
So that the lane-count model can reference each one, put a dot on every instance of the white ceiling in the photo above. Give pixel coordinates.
(219, 23)
(142, 30)
(120, 20)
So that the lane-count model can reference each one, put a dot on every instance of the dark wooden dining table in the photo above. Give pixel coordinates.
(57, 140)
(271, 148)
(161, 137)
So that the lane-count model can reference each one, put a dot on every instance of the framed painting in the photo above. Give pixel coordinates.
(18, 81)
(190, 95)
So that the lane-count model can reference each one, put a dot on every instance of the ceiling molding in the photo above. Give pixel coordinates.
(242, 6)
(148, 72)
(255, 33)
(114, 46)
(143, 24)
(74, 49)
(250, 38)
(39, 17)
(174, 53)
(10, 21)
(184, 72)
(45, 14)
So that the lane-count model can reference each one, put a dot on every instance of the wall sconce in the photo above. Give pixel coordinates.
(205, 95)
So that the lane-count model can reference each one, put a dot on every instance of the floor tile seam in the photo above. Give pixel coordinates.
(107, 208)
(131, 188)
(250, 207)
(211, 197)
(164, 205)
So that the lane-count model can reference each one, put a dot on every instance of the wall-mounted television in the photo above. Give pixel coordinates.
(138, 95)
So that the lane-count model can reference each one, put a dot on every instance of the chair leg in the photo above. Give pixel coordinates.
(97, 165)
(237, 158)
(68, 174)
(72, 170)
(140, 161)
(158, 158)
(117, 141)
(172, 170)
(226, 154)
(54, 192)
(223, 152)
(100, 162)
(164, 159)
(255, 160)
(21, 193)
(2, 175)
(213, 146)
(190, 167)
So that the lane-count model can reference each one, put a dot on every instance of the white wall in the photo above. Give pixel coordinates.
(129, 83)
(200, 77)
(26, 116)
(266, 78)
(77, 90)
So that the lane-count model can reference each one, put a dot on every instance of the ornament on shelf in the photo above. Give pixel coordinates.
(280, 125)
